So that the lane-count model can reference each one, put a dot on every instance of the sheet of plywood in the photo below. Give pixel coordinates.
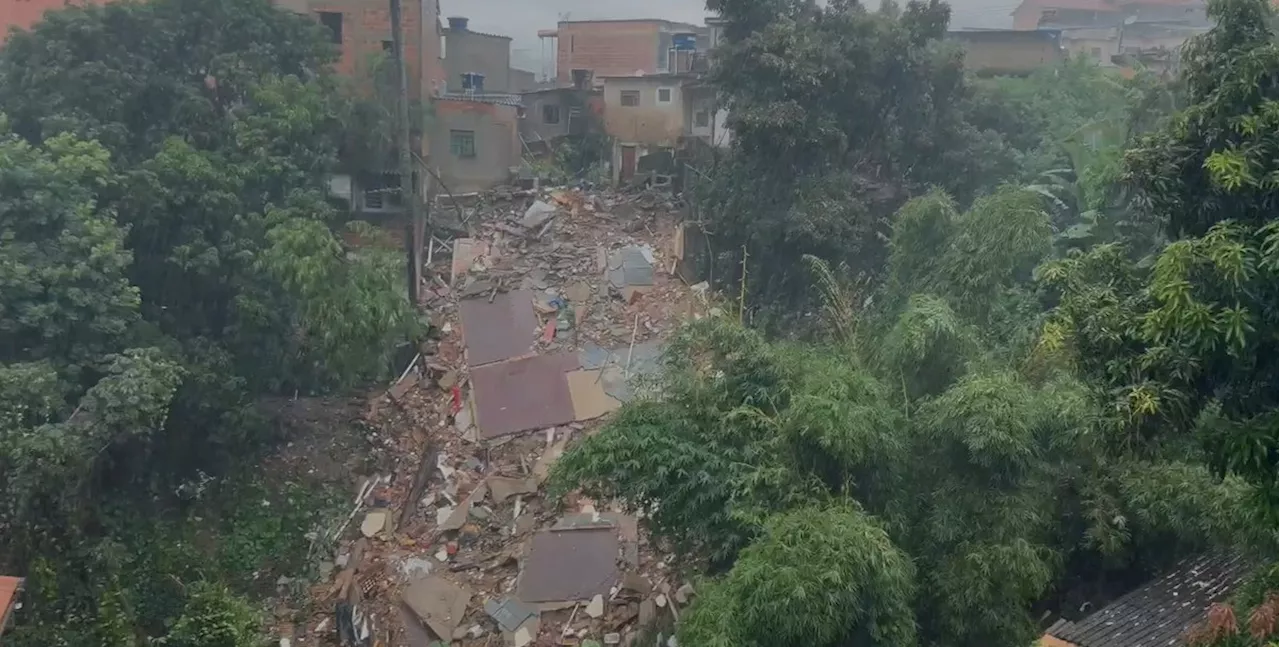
(523, 394)
(569, 565)
(498, 330)
(588, 395)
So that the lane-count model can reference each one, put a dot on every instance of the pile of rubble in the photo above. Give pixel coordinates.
(549, 310)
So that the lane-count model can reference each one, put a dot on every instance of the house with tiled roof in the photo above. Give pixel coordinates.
(1159, 613)
(1118, 32)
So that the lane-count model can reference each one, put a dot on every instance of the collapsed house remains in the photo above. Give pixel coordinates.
(551, 306)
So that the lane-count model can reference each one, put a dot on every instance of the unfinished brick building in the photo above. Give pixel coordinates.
(621, 47)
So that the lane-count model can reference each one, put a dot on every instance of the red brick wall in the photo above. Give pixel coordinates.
(365, 25)
(617, 48)
(25, 13)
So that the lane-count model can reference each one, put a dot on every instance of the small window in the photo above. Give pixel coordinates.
(387, 46)
(664, 95)
(630, 97)
(550, 114)
(462, 143)
(332, 20)
(701, 119)
(1096, 52)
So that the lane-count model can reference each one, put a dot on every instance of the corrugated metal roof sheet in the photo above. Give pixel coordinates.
(1160, 612)
(9, 587)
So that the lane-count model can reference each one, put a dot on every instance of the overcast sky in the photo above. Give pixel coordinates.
(521, 19)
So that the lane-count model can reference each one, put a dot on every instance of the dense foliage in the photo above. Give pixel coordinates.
(971, 478)
(1054, 391)
(169, 257)
(1184, 346)
(841, 114)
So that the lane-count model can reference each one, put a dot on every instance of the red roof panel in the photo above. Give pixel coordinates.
(9, 587)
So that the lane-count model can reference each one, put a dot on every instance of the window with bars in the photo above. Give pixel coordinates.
(630, 98)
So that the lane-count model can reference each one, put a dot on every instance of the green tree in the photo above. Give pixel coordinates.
(782, 470)
(1183, 349)
(169, 257)
(839, 114)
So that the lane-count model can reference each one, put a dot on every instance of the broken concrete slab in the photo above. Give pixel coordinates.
(415, 634)
(458, 517)
(626, 526)
(498, 330)
(631, 266)
(439, 603)
(635, 584)
(684, 593)
(523, 394)
(465, 252)
(592, 357)
(505, 487)
(509, 613)
(588, 395)
(537, 214)
(648, 613)
(569, 565)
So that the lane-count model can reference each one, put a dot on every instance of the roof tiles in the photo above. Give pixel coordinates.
(1160, 612)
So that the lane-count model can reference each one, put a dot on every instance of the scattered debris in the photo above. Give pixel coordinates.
(549, 316)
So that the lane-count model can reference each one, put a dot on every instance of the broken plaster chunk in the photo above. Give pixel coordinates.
(522, 637)
(462, 422)
(595, 608)
(614, 638)
(442, 463)
(537, 214)
(374, 522)
(684, 593)
(443, 514)
(661, 600)
(463, 511)
(505, 487)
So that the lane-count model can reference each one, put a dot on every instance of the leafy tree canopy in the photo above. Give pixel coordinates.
(961, 478)
(169, 257)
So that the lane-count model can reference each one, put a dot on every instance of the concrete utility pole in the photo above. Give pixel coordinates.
(408, 192)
